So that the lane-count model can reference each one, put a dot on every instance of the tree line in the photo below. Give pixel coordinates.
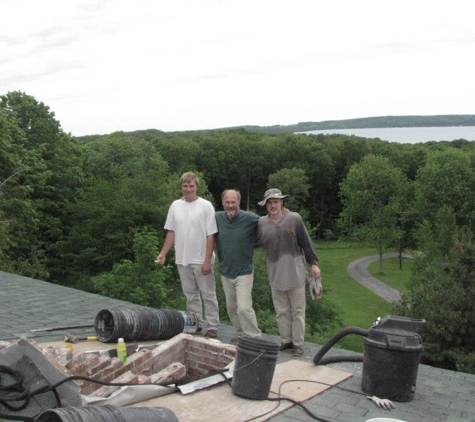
(367, 122)
(89, 212)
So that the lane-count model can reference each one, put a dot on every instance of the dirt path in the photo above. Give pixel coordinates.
(358, 270)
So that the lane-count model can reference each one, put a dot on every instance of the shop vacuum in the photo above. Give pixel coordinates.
(391, 355)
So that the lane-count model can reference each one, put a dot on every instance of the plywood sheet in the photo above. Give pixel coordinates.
(219, 403)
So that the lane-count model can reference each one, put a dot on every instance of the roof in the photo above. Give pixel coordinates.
(441, 395)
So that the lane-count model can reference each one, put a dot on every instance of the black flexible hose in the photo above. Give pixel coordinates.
(330, 343)
(7, 396)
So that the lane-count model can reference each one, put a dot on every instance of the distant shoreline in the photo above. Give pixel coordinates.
(380, 122)
(406, 135)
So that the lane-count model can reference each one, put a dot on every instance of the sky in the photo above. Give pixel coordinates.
(103, 66)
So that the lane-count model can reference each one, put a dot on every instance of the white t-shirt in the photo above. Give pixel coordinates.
(192, 223)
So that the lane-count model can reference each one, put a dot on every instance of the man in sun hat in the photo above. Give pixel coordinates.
(289, 249)
(272, 194)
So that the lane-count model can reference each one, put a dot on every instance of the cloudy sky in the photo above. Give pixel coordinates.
(108, 65)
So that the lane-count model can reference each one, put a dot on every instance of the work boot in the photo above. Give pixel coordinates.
(211, 334)
(297, 351)
(286, 346)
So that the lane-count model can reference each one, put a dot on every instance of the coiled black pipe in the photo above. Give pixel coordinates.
(107, 413)
(318, 358)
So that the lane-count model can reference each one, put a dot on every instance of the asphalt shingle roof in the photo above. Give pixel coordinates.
(27, 304)
(441, 395)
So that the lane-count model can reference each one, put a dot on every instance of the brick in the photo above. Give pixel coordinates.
(167, 362)
(143, 379)
(116, 363)
(92, 360)
(107, 390)
(78, 360)
(119, 372)
(171, 373)
(102, 363)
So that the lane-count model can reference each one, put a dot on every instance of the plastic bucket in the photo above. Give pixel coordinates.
(257, 344)
(254, 368)
(384, 420)
(107, 414)
(141, 324)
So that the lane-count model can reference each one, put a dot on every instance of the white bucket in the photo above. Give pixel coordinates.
(384, 420)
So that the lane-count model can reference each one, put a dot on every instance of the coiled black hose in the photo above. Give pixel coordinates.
(318, 358)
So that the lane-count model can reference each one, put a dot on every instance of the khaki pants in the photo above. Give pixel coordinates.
(238, 292)
(192, 283)
(290, 306)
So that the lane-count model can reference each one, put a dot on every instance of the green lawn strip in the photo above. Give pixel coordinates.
(359, 306)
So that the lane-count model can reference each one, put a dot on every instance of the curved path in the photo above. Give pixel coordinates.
(358, 270)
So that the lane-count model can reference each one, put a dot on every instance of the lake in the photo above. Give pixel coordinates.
(408, 135)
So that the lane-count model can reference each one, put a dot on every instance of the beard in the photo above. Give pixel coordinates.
(230, 213)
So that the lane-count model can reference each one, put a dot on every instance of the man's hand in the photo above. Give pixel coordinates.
(160, 259)
(315, 287)
(206, 268)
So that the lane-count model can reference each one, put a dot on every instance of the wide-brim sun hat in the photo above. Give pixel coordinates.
(272, 194)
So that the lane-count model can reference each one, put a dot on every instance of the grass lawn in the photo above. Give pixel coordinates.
(359, 307)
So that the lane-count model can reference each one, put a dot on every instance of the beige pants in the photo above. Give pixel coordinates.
(196, 285)
(238, 292)
(290, 314)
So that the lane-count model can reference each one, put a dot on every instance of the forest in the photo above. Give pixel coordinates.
(89, 212)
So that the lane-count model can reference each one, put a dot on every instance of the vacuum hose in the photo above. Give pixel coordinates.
(337, 337)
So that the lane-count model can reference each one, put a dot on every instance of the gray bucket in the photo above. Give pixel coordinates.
(254, 368)
(253, 344)
(107, 414)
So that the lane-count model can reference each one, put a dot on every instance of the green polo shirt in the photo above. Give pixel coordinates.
(235, 243)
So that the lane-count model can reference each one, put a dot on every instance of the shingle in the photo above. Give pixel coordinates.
(441, 395)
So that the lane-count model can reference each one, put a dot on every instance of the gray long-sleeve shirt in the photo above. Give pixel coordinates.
(288, 249)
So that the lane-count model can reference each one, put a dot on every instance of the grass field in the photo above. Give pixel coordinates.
(359, 307)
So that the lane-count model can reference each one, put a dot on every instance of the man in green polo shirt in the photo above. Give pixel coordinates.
(235, 246)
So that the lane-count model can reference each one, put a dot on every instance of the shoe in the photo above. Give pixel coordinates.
(211, 334)
(285, 346)
(199, 330)
(297, 351)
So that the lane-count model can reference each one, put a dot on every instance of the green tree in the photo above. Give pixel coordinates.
(338, 153)
(292, 182)
(44, 162)
(447, 178)
(442, 291)
(233, 160)
(128, 188)
(371, 196)
(139, 280)
(179, 151)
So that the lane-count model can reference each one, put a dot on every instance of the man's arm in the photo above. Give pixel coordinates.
(167, 245)
(305, 242)
(210, 242)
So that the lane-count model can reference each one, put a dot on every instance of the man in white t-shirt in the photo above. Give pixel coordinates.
(191, 226)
